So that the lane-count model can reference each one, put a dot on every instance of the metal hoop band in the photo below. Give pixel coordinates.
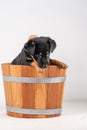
(34, 80)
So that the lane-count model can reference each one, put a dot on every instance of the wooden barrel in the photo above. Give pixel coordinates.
(30, 94)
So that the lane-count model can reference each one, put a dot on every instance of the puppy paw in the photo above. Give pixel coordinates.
(62, 65)
(58, 63)
(32, 36)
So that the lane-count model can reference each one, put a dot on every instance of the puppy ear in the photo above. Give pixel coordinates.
(25, 45)
(29, 47)
(52, 44)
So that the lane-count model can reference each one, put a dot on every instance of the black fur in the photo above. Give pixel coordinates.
(40, 48)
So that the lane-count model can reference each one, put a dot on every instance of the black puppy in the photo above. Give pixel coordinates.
(39, 48)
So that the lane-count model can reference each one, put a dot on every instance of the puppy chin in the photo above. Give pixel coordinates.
(36, 66)
(41, 70)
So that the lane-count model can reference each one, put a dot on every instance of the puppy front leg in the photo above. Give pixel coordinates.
(58, 63)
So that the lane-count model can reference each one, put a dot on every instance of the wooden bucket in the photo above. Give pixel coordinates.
(33, 95)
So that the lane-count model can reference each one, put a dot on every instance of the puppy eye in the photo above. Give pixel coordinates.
(47, 53)
(40, 54)
(33, 43)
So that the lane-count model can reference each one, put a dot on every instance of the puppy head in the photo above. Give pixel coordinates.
(43, 47)
(40, 48)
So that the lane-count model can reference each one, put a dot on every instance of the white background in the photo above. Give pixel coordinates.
(63, 20)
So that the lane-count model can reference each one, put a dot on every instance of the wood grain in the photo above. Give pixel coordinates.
(52, 91)
(41, 93)
(28, 91)
(7, 87)
(16, 88)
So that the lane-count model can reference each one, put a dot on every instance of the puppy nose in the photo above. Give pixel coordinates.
(44, 66)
